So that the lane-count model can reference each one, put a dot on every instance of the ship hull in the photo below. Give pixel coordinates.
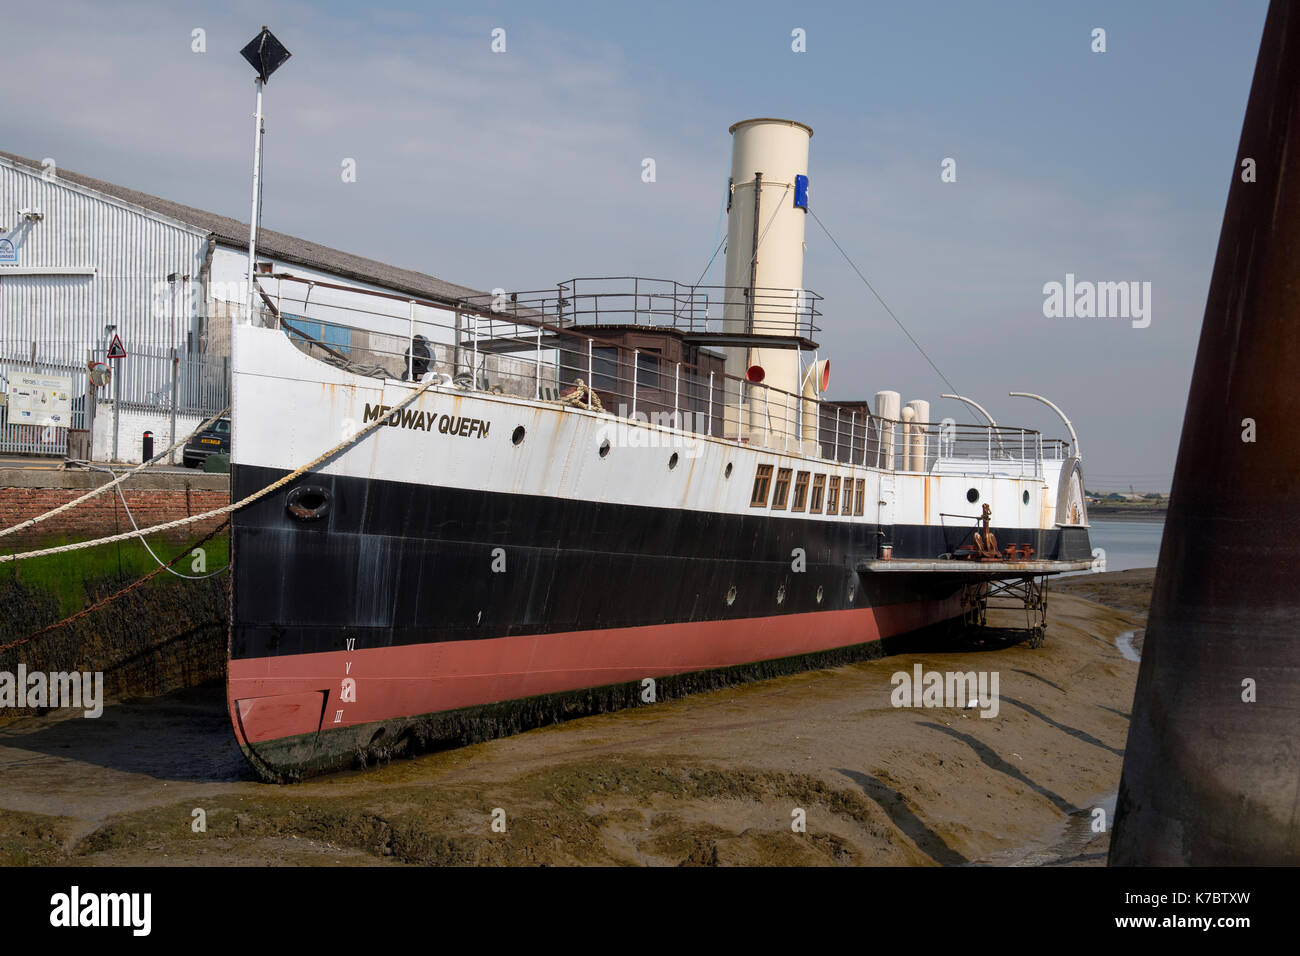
(407, 614)
(289, 712)
(481, 563)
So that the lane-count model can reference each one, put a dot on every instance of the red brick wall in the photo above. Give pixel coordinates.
(104, 515)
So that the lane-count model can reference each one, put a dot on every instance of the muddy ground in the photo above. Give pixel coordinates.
(716, 778)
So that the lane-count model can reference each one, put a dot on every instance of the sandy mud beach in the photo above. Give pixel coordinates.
(713, 779)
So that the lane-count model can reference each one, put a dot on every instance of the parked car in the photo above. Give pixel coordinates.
(212, 440)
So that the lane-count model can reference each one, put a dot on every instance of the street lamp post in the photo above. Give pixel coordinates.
(265, 54)
(171, 299)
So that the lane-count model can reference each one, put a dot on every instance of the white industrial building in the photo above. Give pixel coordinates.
(82, 260)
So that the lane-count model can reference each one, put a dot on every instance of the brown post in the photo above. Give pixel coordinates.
(1212, 766)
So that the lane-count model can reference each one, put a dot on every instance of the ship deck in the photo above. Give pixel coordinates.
(972, 567)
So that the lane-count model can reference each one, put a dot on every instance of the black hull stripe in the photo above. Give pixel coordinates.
(393, 563)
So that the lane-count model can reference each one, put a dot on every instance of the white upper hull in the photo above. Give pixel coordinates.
(457, 438)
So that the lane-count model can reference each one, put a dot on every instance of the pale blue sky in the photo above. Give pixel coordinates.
(522, 169)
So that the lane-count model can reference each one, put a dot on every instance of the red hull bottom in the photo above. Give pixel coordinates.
(274, 698)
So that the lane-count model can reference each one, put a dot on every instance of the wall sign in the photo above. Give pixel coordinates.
(37, 399)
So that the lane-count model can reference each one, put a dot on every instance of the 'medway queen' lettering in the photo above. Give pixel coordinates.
(420, 421)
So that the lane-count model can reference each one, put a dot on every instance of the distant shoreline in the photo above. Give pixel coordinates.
(1141, 512)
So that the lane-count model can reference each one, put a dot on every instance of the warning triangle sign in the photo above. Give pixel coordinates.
(115, 348)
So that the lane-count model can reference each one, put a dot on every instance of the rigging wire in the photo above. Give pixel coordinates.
(761, 236)
(951, 387)
(722, 241)
(710, 265)
(771, 219)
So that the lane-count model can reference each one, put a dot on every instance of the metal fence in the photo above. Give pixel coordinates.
(150, 380)
(146, 378)
(659, 303)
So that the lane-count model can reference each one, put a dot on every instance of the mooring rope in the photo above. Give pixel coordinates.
(112, 484)
(582, 396)
(218, 512)
(165, 565)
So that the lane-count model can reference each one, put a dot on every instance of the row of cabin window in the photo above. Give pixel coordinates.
(850, 501)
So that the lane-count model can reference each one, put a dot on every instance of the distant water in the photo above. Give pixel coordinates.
(1127, 543)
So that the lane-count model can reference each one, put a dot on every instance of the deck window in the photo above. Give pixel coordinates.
(800, 492)
(847, 507)
(604, 369)
(647, 369)
(782, 489)
(818, 488)
(337, 338)
(861, 496)
(761, 482)
(833, 495)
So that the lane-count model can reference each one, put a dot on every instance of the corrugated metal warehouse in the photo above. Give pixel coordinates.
(82, 260)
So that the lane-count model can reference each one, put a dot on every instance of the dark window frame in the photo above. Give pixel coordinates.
(799, 499)
(762, 480)
(781, 488)
(605, 379)
(649, 363)
(817, 494)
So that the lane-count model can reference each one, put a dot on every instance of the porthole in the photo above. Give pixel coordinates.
(780, 594)
(819, 594)
(517, 436)
(604, 448)
(1025, 497)
(726, 472)
(672, 461)
(731, 596)
(973, 495)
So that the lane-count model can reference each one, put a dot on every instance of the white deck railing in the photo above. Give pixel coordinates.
(529, 348)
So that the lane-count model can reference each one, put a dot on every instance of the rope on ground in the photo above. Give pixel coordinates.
(121, 592)
(112, 484)
(248, 500)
